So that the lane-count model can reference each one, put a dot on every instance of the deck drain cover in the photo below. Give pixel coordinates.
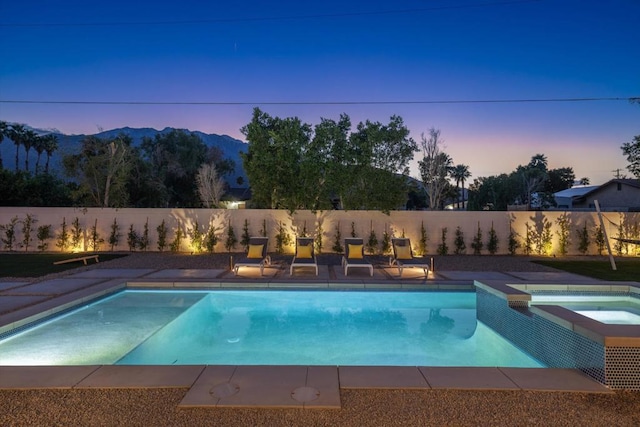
(224, 390)
(305, 394)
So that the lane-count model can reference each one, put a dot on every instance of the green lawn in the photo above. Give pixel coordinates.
(35, 265)
(628, 269)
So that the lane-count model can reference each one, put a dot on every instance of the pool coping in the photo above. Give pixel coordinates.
(467, 378)
(276, 386)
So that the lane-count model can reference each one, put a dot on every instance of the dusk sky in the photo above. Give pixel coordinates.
(368, 59)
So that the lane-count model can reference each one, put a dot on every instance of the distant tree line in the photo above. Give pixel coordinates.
(161, 172)
(290, 165)
(29, 187)
(112, 172)
(531, 185)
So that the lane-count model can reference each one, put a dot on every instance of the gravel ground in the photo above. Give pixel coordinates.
(158, 407)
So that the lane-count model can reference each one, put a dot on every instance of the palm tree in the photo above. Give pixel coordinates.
(460, 173)
(39, 146)
(585, 181)
(28, 142)
(455, 174)
(50, 145)
(539, 161)
(16, 133)
(4, 129)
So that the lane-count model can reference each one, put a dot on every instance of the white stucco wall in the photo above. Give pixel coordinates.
(397, 223)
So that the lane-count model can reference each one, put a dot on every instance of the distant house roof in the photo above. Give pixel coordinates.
(612, 192)
(630, 182)
(576, 191)
(583, 190)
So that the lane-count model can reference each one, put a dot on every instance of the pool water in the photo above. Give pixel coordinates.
(268, 328)
(612, 317)
(609, 309)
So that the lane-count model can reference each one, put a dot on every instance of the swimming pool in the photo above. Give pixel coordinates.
(224, 327)
(609, 309)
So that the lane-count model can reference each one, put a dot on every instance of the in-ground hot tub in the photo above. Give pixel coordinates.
(612, 309)
(559, 334)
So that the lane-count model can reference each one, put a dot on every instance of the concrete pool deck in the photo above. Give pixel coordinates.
(267, 386)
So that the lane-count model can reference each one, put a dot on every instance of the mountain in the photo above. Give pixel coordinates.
(69, 144)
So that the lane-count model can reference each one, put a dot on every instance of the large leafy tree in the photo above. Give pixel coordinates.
(273, 160)
(144, 187)
(559, 179)
(173, 162)
(292, 167)
(632, 151)
(101, 169)
(215, 157)
(493, 192)
(379, 158)
(325, 167)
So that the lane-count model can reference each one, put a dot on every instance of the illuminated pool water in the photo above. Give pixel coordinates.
(610, 309)
(268, 328)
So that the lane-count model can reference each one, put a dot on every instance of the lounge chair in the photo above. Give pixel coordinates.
(256, 256)
(403, 257)
(354, 256)
(304, 256)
